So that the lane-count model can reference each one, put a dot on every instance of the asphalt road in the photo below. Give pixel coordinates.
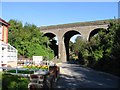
(76, 76)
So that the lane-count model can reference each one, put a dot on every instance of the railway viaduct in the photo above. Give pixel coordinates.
(65, 31)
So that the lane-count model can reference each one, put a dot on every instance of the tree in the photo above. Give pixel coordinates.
(28, 40)
(79, 49)
(103, 50)
(71, 46)
(77, 45)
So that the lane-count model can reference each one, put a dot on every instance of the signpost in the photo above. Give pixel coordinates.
(37, 59)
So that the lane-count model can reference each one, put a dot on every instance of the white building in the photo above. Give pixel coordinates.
(8, 54)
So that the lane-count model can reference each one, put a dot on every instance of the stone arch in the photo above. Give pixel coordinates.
(54, 46)
(50, 34)
(67, 35)
(94, 32)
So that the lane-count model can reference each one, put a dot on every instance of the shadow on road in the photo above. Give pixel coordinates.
(81, 77)
(66, 81)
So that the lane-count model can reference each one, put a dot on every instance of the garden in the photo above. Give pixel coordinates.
(14, 82)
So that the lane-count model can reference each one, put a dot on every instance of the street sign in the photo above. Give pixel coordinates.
(37, 59)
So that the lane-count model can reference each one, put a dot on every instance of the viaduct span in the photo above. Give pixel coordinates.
(65, 31)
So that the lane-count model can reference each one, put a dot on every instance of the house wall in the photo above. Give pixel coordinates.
(8, 54)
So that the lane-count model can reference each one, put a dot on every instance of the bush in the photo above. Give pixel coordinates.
(21, 71)
(14, 82)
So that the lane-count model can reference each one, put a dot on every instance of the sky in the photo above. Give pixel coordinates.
(53, 13)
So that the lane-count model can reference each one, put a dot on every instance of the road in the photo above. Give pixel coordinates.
(76, 76)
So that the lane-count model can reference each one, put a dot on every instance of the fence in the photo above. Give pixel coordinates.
(29, 62)
(16, 69)
(24, 62)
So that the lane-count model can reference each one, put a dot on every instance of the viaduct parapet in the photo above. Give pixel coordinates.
(65, 31)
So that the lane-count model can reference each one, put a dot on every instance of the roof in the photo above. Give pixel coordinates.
(4, 22)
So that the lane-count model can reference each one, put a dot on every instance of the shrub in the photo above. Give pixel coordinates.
(14, 82)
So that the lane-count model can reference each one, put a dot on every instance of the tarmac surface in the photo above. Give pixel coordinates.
(75, 76)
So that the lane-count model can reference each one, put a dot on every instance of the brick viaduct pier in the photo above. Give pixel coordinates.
(65, 31)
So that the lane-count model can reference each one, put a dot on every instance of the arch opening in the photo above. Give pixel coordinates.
(67, 36)
(53, 43)
(95, 32)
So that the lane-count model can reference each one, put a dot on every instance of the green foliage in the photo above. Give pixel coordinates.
(102, 52)
(78, 45)
(28, 40)
(71, 45)
(101, 47)
(116, 40)
(13, 82)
